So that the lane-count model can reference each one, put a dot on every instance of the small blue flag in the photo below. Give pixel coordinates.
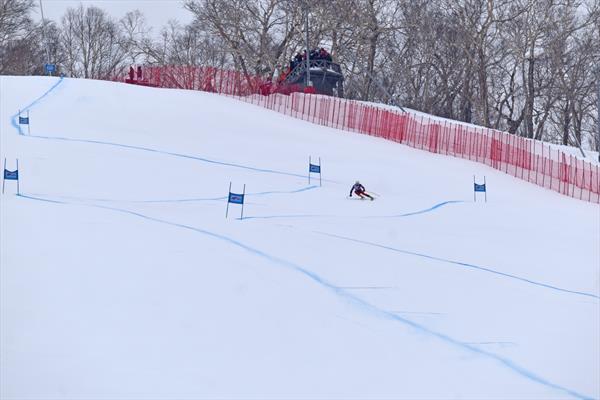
(11, 175)
(24, 120)
(50, 68)
(314, 168)
(479, 188)
(236, 198)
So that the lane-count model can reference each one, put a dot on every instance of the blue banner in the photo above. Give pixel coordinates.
(236, 198)
(24, 120)
(50, 68)
(479, 188)
(11, 175)
(314, 168)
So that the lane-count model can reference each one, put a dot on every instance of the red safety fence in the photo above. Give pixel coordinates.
(210, 79)
(523, 158)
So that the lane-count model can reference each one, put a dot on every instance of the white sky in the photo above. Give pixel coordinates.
(157, 12)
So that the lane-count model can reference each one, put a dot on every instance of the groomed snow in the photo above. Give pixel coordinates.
(120, 277)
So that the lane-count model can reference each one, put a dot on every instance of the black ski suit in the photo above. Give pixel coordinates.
(359, 190)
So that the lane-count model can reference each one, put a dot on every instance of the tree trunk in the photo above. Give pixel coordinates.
(483, 88)
(566, 122)
(530, 96)
(371, 63)
(372, 43)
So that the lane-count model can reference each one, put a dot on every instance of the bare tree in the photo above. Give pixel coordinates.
(136, 36)
(255, 33)
(92, 42)
(17, 32)
(525, 66)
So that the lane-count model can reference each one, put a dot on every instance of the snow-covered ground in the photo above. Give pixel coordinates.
(120, 277)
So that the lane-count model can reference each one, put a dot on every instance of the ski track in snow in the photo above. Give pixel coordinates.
(342, 293)
(442, 204)
(188, 200)
(148, 149)
(338, 291)
(14, 120)
(427, 256)
(169, 153)
(460, 263)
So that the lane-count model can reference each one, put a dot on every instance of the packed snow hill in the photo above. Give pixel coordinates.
(121, 278)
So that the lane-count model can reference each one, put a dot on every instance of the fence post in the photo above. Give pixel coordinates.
(572, 173)
(227, 209)
(543, 168)
(528, 160)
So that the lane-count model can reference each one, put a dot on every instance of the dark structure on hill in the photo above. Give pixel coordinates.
(325, 76)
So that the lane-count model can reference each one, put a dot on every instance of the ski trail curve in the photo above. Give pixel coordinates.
(427, 210)
(461, 264)
(14, 118)
(346, 295)
(37, 101)
(184, 200)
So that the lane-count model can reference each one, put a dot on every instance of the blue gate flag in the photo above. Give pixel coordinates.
(11, 175)
(24, 120)
(479, 188)
(314, 169)
(236, 198)
(50, 68)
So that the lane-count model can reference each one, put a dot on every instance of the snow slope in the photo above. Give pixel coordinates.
(121, 278)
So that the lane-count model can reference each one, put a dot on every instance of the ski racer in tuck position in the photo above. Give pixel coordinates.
(359, 190)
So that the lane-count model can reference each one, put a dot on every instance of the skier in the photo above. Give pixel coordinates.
(359, 190)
